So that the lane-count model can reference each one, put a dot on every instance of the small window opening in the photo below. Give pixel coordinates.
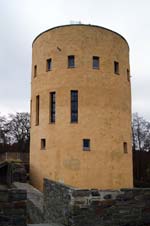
(49, 64)
(125, 147)
(116, 67)
(71, 61)
(86, 144)
(128, 75)
(35, 71)
(95, 62)
(43, 144)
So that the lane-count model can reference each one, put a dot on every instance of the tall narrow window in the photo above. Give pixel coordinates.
(74, 106)
(128, 75)
(52, 106)
(35, 71)
(71, 61)
(49, 65)
(37, 109)
(116, 67)
(125, 147)
(95, 62)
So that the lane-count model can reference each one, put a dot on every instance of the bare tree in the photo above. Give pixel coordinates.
(147, 139)
(19, 129)
(141, 133)
(3, 130)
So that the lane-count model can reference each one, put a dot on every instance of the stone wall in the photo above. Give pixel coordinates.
(12, 207)
(78, 207)
(57, 200)
(34, 202)
(69, 206)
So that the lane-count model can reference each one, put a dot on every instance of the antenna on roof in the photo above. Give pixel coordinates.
(75, 22)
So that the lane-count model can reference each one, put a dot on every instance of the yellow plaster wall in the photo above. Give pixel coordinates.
(104, 111)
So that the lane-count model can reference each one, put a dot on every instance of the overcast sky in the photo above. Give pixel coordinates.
(22, 20)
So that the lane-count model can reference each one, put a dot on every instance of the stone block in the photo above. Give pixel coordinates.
(19, 221)
(5, 221)
(107, 203)
(95, 193)
(17, 195)
(3, 196)
(81, 193)
(14, 212)
(19, 204)
(108, 196)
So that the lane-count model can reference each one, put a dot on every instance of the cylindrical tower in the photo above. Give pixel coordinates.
(81, 108)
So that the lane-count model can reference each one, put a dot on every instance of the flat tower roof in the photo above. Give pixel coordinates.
(87, 25)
